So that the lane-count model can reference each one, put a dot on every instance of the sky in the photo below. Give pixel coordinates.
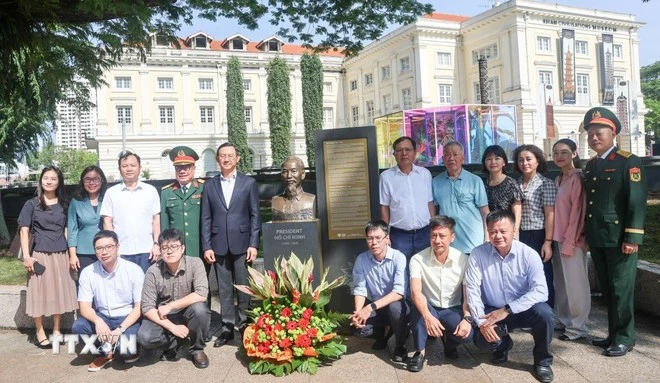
(649, 49)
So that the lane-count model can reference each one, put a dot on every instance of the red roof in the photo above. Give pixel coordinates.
(216, 45)
(446, 17)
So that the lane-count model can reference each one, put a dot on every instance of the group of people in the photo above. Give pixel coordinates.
(142, 260)
(503, 253)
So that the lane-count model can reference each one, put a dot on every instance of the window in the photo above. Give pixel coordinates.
(490, 52)
(237, 44)
(205, 84)
(206, 117)
(385, 72)
(368, 79)
(387, 103)
(200, 41)
(443, 59)
(123, 82)
(353, 85)
(444, 94)
(618, 51)
(327, 87)
(582, 89)
(273, 46)
(161, 40)
(355, 114)
(248, 117)
(581, 48)
(328, 118)
(493, 91)
(165, 83)
(545, 77)
(125, 118)
(166, 119)
(543, 44)
(370, 112)
(247, 85)
(406, 98)
(404, 64)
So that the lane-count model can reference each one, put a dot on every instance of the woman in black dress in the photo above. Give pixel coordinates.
(503, 192)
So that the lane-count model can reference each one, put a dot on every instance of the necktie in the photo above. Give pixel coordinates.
(184, 189)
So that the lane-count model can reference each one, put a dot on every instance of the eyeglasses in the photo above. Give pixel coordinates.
(96, 180)
(182, 167)
(167, 248)
(99, 249)
(376, 239)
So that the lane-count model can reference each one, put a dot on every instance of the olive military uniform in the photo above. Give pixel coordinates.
(616, 204)
(182, 212)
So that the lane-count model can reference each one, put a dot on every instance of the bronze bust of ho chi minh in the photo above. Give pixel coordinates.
(294, 204)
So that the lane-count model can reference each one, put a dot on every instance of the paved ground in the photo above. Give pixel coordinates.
(574, 362)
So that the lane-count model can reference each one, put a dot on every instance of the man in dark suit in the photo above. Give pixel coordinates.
(230, 236)
(616, 205)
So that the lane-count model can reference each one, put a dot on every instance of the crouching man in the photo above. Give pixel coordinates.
(506, 290)
(174, 302)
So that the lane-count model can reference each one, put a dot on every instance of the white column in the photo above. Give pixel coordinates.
(188, 103)
(146, 109)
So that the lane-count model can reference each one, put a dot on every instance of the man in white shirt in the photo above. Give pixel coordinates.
(132, 210)
(406, 199)
(109, 297)
(436, 287)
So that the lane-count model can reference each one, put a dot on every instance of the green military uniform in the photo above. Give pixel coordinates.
(616, 205)
(182, 212)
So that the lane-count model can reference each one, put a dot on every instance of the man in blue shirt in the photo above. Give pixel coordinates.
(379, 275)
(506, 289)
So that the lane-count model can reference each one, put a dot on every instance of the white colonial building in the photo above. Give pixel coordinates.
(433, 62)
(177, 97)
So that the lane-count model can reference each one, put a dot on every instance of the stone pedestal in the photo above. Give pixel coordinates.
(300, 237)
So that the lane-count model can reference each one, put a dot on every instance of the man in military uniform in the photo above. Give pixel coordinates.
(616, 204)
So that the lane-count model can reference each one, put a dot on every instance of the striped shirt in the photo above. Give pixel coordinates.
(539, 193)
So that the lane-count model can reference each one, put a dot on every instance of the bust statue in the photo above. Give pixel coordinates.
(294, 204)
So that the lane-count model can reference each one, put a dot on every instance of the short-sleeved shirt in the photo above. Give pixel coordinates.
(408, 197)
(442, 285)
(462, 200)
(539, 193)
(162, 287)
(48, 225)
(375, 279)
(114, 294)
(503, 195)
(132, 214)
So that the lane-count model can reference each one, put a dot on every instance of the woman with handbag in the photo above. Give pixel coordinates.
(84, 220)
(42, 227)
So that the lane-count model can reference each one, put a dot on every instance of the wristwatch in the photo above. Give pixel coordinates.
(468, 319)
(508, 309)
(373, 306)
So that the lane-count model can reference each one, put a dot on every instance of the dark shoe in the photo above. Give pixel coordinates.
(381, 341)
(200, 360)
(416, 363)
(43, 344)
(618, 349)
(224, 338)
(400, 354)
(131, 358)
(208, 338)
(241, 330)
(601, 342)
(170, 355)
(543, 374)
(451, 353)
(502, 355)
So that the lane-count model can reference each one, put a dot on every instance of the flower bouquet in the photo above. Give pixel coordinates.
(291, 329)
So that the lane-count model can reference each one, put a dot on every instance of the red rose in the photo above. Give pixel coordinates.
(292, 325)
(312, 332)
(261, 322)
(286, 312)
(303, 341)
(278, 327)
(307, 314)
(285, 343)
(263, 349)
(303, 323)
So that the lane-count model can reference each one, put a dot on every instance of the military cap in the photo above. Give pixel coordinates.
(602, 116)
(183, 155)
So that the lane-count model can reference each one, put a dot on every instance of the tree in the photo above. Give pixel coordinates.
(70, 161)
(236, 130)
(650, 78)
(279, 109)
(312, 95)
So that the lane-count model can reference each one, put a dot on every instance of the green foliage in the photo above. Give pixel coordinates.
(312, 95)
(236, 130)
(650, 77)
(70, 161)
(279, 109)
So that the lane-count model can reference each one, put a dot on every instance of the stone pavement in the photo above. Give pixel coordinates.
(577, 361)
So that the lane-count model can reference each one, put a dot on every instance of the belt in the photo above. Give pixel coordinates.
(413, 231)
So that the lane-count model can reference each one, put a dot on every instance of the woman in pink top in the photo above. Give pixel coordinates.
(572, 291)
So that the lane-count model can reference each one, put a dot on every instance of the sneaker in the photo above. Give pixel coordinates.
(99, 363)
(131, 358)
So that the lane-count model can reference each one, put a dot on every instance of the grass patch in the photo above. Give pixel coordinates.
(12, 271)
(650, 250)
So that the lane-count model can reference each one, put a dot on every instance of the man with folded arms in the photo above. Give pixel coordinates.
(174, 302)
(379, 274)
(109, 298)
(506, 289)
(436, 287)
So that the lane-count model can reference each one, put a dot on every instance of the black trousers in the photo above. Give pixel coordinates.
(231, 269)
(196, 317)
(396, 316)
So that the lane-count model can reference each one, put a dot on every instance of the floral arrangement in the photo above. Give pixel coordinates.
(291, 331)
